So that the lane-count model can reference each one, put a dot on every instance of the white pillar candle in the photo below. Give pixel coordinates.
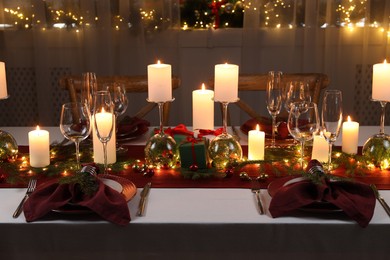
(350, 136)
(39, 148)
(98, 155)
(381, 81)
(159, 82)
(320, 149)
(256, 143)
(202, 108)
(3, 82)
(226, 83)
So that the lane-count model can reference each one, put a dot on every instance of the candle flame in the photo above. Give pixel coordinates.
(257, 127)
(384, 62)
(203, 86)
(349, 119)
(158, 62)
(38, 127)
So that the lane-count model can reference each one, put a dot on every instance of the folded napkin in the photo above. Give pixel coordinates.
(266, 126)
(356, 199)
(106, 202)
(131, 126)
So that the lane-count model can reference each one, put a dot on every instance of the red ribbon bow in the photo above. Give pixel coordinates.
(179, 129)
(203, 132)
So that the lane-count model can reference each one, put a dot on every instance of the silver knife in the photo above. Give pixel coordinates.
(144, 195)
(380, 199)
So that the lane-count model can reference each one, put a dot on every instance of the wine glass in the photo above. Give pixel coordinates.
(332, 117)
(120, 102)
(297, 91)
(75, 124)
(89, 87)
(103, 119)
(274, 99)
(302, 122)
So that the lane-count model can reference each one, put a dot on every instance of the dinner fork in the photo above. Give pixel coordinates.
(32, 184)
(256, 191)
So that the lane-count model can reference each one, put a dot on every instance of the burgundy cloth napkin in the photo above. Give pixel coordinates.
(132, 126)
(356, 199)
(266, 126)
(106, 202)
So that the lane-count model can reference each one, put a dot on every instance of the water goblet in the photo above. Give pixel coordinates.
(274, 99)
(332, 117)
(103, 120)
(302, 122)
(75, 124)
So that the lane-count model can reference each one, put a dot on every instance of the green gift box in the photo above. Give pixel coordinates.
(194, 152)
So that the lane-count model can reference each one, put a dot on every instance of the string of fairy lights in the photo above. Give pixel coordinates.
(200, 14)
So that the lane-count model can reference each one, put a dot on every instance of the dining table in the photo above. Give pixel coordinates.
(192, 223)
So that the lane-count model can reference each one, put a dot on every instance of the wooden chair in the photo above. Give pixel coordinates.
(258, 82)
(133, 84)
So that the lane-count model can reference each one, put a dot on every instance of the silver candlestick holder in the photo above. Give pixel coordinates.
(161, 150)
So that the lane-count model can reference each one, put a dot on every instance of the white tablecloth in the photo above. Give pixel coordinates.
(192, 224)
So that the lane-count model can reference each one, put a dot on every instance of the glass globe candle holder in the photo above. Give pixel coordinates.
(224, 148)
(376, 149)
(8, 146)
(161, 150)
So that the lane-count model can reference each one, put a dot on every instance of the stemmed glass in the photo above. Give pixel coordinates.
(297, 91)
(120, 102)
(332, 117)
(302, 122)
(274, 99)
(89, 87)
(103, 119)
(75, 124)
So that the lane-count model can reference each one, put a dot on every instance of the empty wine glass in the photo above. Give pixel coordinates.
(274, 99)
(89, 87)
(75, 124)
(297, 91)
(103, 119)
(332, 117)
(302, 122)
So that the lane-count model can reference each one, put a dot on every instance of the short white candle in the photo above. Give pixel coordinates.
(256, 143)
(39, 148)
(202, 108)
(226, 83)
(159, 82)
(380, 81)
(3, 82)
(98, 155)
(320, 148)
(350, 136)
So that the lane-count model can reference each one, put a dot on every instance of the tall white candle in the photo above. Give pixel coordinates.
(159, 82)
(39, 148)
(203, 108)
(3, 82)
(226, 82)
(98, 155)
(256, 143)
(350, 136)
(381, 81)
(320, 148)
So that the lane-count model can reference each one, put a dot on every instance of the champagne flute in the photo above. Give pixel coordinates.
(332, 117)
(302, 122)
(89, 87)
(297, 91)
(75, 124)
(103, 119)
(274, 99)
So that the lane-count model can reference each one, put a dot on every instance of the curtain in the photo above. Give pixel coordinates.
(44, 40)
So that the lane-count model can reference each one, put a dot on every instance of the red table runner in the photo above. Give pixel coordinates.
(174, 178)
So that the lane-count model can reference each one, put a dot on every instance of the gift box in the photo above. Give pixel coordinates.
(193, 151)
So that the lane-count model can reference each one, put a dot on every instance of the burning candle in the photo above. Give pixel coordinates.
(159, 82)
(226, 82)
(350, 134)
(320, 148)
(3, 82)
(380, 81)
(256, 141)
(98, 154)
(203, 108)
(39, 148)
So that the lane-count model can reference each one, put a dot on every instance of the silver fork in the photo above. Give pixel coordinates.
(256, 191)
(32, 184)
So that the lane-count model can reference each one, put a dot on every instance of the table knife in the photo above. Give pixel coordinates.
(380, 199)
(144, 195)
